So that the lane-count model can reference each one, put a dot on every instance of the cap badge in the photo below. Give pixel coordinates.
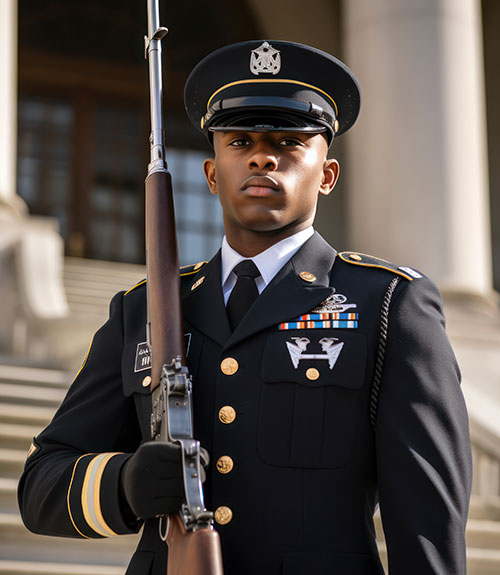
(265, 60)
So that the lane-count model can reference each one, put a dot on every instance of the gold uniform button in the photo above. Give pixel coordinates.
(312, 374)
(229, 366)
(199, 265)
(227, 414)
(307, 276)
(224, 464)
(356, 257)
(146, 381)
(223, 515)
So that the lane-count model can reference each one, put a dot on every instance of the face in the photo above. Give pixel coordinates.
(268, 182)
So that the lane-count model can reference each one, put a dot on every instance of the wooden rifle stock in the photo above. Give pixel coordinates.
(163, 275)
(193, 544)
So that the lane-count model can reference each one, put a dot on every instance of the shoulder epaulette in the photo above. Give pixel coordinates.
(142, 282)
(184, 271)
(192, 269)
(367, 261)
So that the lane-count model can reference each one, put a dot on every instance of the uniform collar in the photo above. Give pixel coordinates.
(289, 294)
(270, 261)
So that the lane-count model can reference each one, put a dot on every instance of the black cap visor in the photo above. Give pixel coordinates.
(268, 115)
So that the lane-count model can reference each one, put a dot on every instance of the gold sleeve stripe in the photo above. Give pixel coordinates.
(91, 492)
(67, 498)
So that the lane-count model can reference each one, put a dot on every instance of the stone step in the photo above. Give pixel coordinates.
(25, 414)
(101, 268)
(15, 436)
(31, 394)
(483, 534)
(77, 289)
(484, 508)
(34, 376)
(12, 462)
(8, 495)
(483, 561)
(37, 568)
(16, 541)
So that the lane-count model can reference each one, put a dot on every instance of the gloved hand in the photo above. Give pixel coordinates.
(151, 480)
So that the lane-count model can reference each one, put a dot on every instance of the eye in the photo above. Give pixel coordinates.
(290, 142)
(239, 142)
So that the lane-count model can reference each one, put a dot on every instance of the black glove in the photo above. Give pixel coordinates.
(151, 480)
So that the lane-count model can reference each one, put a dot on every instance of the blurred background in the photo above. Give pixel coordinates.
(420, 186)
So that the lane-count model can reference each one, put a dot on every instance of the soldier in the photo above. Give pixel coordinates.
(324, 383)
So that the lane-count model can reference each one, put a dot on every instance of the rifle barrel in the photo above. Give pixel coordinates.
(153, 49)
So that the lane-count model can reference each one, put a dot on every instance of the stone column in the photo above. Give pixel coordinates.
(417, 168)
(9, 200)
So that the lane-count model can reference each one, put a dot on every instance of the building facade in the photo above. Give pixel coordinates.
(420, 184)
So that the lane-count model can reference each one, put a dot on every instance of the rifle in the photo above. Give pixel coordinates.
(194, 546)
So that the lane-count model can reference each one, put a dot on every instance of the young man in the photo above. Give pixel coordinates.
(323, 383)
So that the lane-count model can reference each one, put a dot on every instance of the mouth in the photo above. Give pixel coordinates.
(260, 186)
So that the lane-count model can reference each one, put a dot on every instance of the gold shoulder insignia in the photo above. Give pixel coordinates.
(191, 269)
(365, 260)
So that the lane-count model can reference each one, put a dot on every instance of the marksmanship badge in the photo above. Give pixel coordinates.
(332, 347)
(265, 60)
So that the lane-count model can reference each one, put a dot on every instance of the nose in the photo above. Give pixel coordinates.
(263, 156)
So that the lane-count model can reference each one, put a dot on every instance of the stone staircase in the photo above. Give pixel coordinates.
(28, 398)
(90, 284)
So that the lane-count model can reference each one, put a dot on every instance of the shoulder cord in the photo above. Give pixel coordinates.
(379, 364)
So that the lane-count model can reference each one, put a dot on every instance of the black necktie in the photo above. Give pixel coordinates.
(244, 293)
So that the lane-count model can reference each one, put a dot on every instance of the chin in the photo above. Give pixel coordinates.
(261, 225)
(263, 221)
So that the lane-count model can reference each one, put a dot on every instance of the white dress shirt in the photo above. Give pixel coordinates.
(269, 262)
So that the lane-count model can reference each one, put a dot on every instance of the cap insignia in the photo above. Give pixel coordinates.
(265, 60)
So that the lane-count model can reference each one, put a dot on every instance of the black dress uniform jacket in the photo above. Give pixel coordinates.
(308, 468)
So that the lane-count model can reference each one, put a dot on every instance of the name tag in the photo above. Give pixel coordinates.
(142, 357)
(143, 354)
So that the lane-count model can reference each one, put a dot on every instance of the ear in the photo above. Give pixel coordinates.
(209, 171)
(331, 172)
